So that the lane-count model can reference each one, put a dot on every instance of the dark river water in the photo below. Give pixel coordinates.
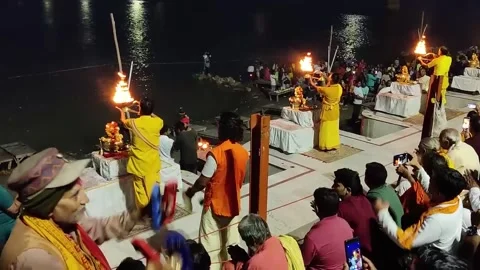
(57, 57)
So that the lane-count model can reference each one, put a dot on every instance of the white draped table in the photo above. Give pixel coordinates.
(111, 168)
(400, 99)
(466, 83)
(290, 137)
(472, 72)
(406, 89)
(302, 118)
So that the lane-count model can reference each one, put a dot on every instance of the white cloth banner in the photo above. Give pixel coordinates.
(290, 137)
(466, 83)
(398, 104)
(406, 89)
(117, 195)
(472, 72)
(302, 118)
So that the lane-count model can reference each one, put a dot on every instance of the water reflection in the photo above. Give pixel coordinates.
(48, 12)
(352, 36)
(137, 27)
(139, 44)
(86, 19)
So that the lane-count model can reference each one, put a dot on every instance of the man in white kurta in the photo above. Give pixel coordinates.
(440, 225)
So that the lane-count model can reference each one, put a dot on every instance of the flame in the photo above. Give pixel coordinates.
(122, 94)
(421, 48)
(203, 145)
(306, 63)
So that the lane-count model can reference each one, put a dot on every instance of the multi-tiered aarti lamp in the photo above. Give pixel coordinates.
(297, 101)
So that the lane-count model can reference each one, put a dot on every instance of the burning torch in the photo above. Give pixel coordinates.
(122, 97)
(307, 67)
(421, 48)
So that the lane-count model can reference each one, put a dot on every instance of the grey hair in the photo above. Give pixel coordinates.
(253, 230)
(429, 144)
(452, 136)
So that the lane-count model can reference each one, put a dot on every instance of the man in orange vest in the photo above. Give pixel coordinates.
(222, 178)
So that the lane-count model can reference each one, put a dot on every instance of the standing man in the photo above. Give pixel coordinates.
(206, 63)
(144, 160)
(186, 142)
(436, 100)
(222, 178)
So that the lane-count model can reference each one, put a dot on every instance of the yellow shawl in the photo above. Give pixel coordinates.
(73, 255)
(293, 253)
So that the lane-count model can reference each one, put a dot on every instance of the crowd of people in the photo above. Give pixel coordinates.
(427, 220)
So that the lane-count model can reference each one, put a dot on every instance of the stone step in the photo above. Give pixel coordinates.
(211, 135)
(272, 109)
(11, 154)
(246, 120)
(198, 128)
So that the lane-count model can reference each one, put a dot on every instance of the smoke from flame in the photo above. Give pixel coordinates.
(306, 63)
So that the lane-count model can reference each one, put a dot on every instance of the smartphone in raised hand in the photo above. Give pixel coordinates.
(353, 254)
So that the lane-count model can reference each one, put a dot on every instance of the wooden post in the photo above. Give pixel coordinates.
(436, 83)
(259, 153)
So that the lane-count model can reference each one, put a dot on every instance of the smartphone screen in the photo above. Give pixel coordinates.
(353, 254)
(466, 123)
(472, 106)
(401, 159)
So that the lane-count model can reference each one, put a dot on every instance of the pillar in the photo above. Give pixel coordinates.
(259, 153)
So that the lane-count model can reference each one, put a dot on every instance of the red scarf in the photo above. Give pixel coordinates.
(93, 248)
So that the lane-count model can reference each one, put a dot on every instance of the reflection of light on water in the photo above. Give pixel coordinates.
(139, 43)
(86, 17)
(137, 27)
(48, 12)
(352, 36)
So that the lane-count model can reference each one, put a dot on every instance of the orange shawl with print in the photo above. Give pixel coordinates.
(406, 237)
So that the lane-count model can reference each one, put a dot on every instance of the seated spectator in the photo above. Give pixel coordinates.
(186, 143)
(201, 259)
(424, 80)
(376, 180)
(355, 207)
(415, 200)
(166, 144)
(323, 246)
(462, 155)
(131, 264)
(426, 145)
(472, 178)
(438, 259)
(53, 230)
(440, 225)
(386, 77)
(468, 249)
(177, 251)
(9, 209)
(266, 251)
(474, 137)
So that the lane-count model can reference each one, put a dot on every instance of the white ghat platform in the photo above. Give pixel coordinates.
(466, 83)
(290, 191)
(457, 100)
